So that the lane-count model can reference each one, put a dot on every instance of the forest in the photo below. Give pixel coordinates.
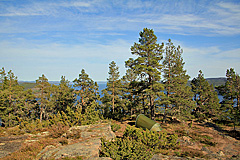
(155, 84)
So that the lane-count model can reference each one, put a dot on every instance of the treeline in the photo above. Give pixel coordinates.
(155, 84)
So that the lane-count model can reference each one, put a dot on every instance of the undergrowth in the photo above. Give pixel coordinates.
(138, 144)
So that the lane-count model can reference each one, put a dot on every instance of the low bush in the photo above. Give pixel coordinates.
(115, 127)
(57, 130)
(138, 144)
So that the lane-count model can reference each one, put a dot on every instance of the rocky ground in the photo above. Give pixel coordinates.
(200, 141)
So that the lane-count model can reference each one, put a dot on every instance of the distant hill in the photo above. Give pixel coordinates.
(27, 85)
(102, 84)
(217, 81)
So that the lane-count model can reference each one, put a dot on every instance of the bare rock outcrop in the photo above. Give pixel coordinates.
(88, 144)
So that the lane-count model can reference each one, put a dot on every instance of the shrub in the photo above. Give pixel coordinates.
(125, 149)
(14, 131)
(34, 126)
(138, 144)
(115, 127)
(57, 130)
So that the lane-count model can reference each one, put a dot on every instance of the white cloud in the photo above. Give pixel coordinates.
(232, 54)
(184, 18)
(211, 60)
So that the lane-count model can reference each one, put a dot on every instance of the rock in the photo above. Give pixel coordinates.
(88, 144)
(87, 149)
(10, 144)
(220, 153)
(187, 139)
(159, 156)
(206, 150)
(4, 153)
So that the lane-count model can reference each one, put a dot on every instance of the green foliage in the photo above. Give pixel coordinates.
(140, 90)
(115, 127)
(206, 98)
(178, 101)
(138, 144)
(147, 67)
(91, 116)
(15, 103)
(63, 96)
(44, 97)
(125, 149)
(87, 91)
(231, 97)
(113, 105)
(27, 85)
(129, 93)
(33, 126)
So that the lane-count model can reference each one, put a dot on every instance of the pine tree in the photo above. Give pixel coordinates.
(206, 98)
(147, 66)
(64, 96)
(112, 94)
(179, 95)
(230, 92)
(13, 100)
(2, 77)
(128, 91)
(87, 91)
(44, 95)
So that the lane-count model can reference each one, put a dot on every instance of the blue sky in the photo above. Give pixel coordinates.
(63, 37)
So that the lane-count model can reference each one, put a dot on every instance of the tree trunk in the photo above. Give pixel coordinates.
(41, 113)
(113, 97)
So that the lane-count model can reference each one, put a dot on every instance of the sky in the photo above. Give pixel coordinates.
(61, 37)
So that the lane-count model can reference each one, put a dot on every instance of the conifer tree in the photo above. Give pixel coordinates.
(2, 77)
(206, 98)
(129, 91)
(64, 96)
(230, 92)
(147, 66)
(179, 95)
(13, 100)
(44, 95)
(112, 94)
(87, 91)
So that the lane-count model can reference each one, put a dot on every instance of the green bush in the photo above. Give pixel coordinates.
(115, 127)
(138, 144)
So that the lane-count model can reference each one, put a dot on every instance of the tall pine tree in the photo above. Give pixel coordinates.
(230, 92)
(179, 95)
(86, 92)
(44, 96)
(64, 96)
(129, 91)
(14, 101)
(206, 98)
(112, 94)
(148, 67)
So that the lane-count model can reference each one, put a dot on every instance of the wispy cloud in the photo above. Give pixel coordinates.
(209, 19)
(212, 60)
(92, 33)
